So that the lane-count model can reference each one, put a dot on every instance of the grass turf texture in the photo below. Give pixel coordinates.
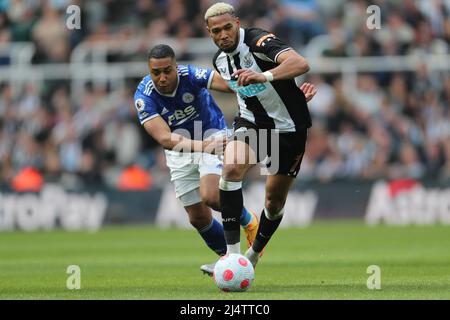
(325, 261)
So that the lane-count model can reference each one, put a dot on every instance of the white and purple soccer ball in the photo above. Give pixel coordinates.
(233, 273)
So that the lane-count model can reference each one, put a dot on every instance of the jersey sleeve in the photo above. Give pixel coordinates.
(201, 77)
(145, 107)
(267, 43)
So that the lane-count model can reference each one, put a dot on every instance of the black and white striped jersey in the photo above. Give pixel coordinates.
(271, 105)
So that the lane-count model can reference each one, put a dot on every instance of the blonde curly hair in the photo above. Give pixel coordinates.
(219, 9)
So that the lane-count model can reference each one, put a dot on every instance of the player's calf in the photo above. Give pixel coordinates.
(274, 205)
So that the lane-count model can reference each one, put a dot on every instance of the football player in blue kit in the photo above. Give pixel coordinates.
(176, 109)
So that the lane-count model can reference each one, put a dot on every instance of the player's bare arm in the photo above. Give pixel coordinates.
(290, 65)
(160, 131)
(219, 84)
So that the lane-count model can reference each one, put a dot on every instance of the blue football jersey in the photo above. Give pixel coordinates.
(190, 107)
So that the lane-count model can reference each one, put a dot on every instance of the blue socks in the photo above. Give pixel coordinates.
(213, 234)
(246, 217)
(214, 238)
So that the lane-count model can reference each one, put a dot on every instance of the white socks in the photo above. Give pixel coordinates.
(234, 248)
(273, 216)
(229, 185)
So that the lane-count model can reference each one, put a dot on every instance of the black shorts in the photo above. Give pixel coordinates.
(281, 152)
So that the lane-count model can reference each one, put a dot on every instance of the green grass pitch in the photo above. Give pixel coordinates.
(327, 260)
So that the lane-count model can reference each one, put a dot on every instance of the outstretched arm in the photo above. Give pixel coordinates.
(219, 84)
(160, 131)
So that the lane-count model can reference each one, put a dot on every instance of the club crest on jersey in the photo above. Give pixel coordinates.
(201, 73)
(140, 104)
(248, 61)
(188, 97)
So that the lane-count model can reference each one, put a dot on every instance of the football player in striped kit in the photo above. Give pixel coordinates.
(272, 124)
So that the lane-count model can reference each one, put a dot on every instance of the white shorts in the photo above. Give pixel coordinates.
(186, 169)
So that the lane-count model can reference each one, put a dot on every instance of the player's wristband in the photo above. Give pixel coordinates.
(268, 75)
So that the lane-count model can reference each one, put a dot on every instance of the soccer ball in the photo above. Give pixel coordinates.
(233, 273)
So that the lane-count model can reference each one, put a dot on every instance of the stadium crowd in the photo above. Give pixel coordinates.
(396, 124)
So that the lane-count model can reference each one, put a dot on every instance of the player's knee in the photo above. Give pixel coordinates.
(232, 172)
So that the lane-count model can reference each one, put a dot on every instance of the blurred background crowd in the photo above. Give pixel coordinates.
(394, 125)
